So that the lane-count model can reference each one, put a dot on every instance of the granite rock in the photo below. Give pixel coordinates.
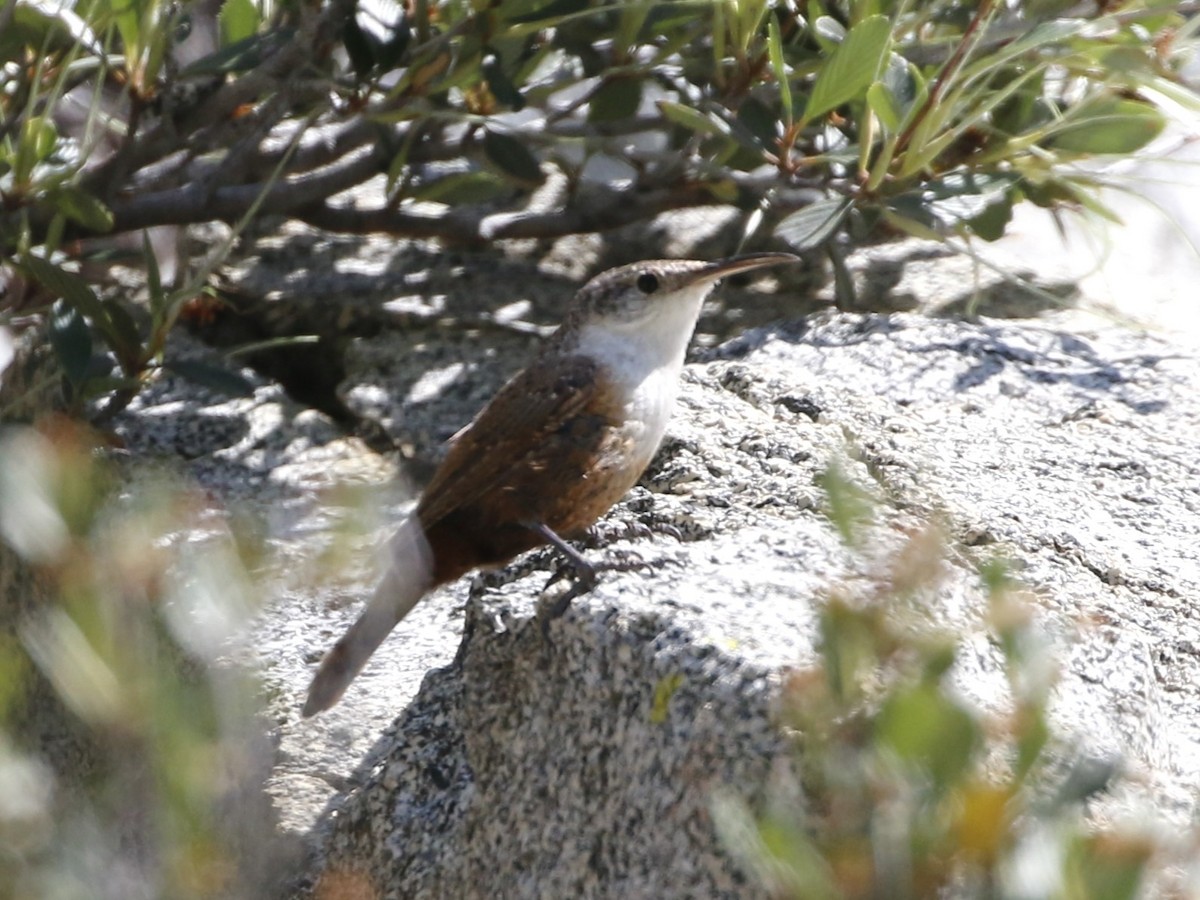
(583, 763)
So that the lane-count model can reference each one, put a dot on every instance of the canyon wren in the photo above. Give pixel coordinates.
(557, 446)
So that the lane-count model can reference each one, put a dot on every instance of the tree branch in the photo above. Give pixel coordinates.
(197, 203)
(311, 42)
(468, 226)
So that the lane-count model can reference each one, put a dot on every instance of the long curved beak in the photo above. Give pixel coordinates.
(744, 263)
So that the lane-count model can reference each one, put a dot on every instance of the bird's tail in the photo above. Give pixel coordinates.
(408, 578)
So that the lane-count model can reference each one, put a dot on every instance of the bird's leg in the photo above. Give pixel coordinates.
(585, 573)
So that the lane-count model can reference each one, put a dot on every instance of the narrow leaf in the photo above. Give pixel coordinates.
(153, 278)
(779, 66)
(37, 139)
(927, 728)
(814, 224)
(911, 226)
(40, 133)
(66, 285)
(544, 13)
(212, 377)
(852, 66)
(993, 221)
(463, 187)
(615, 98)
(512, 158)
(633, 18)
(879, 98)
(1109, 125)
(692, 119)
(240, 56)
(71, 340)
(84, 208)
(844, 292)
(758, 120)
(128, 343)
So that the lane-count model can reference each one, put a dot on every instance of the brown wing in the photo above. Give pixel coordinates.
(510, 434)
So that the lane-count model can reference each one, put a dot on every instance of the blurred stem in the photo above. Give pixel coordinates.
(7, 11)
(946, 75)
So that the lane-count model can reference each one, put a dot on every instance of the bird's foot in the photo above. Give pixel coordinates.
(585, 580)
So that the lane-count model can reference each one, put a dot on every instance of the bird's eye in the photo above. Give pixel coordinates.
(647, 283)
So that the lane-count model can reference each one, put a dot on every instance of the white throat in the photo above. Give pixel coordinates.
(634, 350)
(643, 359)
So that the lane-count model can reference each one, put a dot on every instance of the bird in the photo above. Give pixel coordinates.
(561, 442)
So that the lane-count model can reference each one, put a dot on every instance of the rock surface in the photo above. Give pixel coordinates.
(558, 768)
(476, 758)
(584, 764)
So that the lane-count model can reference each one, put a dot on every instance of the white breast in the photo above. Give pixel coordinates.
(644, 359)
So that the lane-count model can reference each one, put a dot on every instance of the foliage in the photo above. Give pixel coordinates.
(134, 772)
(877, 116)
(902, 787)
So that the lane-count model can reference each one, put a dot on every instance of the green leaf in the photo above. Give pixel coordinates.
(1056, 192)
(910, 226)
(759, 120)
(1109, 124)
(41, 134)
(153, 277)
(127, 16)
(212, 377)
(849, 645)
(749, 19)
(827, 30)
(66, 285)
(902, 80)
(239, 20)
(814, 224)
(241, 56)
(982, 201)
(923, 726)
(1115, 869)
(128, 343)
(541, 11)
(464, 187)
(991, 224)
(84, 208)
(615, 98)
(100, 385)
(779, 66)
(847, 505)
(879, 98)
(1043, 35)
(692, 119)
(72, 342)
(845, 294)
(852, 66)
(37, 140)
(633, 18)
(512, 158)
(724, 190)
